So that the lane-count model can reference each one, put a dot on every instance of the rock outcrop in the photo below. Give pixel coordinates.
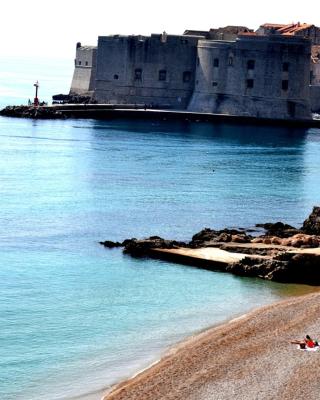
(286, 267)
(31, 112)
(299, 240)
(279, 264)
(141, 247)
(208, 237)
(312, 224)
(109, 244)
(279, 229)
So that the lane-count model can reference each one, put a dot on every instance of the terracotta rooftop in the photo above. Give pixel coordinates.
(287, 29)
(291, 29)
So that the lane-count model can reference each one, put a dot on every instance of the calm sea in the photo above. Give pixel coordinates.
(75, 317)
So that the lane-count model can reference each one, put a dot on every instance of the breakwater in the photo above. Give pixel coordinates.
(139, 111)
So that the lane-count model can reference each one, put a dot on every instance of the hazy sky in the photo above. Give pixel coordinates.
(52, 28)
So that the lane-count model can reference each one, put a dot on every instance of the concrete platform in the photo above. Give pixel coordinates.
(208, 258)
(213, 258)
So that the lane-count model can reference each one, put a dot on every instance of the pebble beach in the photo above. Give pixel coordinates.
(249, 357)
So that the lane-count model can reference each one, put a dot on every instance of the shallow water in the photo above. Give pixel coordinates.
(76, 317)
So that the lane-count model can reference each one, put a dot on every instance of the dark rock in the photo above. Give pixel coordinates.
(207, 235)
(142, 247)
(223, 237)
(109, 244)
(279, 229)
(286, 268)
(127, 241)
(312, 224)
(31, 112)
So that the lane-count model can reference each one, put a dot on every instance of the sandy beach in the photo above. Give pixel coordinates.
(247, 358)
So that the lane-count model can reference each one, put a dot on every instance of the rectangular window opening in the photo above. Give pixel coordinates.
(250, 64)
(214, 83)
(285, 67)
(250, 83)
(138, 74)
(216, 62)
(162, 75)
(285, 84)
(186, 77)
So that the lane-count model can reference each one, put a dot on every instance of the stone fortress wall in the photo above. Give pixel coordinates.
(266, 73)
(157, 70)
(84, 76)
(255, 75)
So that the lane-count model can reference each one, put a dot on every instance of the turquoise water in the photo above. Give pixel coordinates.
(75, 317)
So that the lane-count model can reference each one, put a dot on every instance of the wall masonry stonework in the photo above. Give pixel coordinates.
(254, 75)
(83, 81)
(265, 76)
(158, 70)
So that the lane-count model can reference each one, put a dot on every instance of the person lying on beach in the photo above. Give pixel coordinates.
(306, 343)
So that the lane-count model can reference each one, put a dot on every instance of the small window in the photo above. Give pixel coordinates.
(285, 67)
(79, 62)
(285, 84)
(214, 83)
(291, 108)
(250, 83)
(186, 76)
(250, 64)
(138, 74)
(86, 63)
(162, 75)
(116, 76)
(230, 61)
(216, 62)
(198, 61)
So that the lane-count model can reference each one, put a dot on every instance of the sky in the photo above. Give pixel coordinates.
(52, 28)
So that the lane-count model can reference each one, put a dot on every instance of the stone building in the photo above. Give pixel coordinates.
(308, 31)
(84, 75)
(158, 70)
(263, 74)
(312, 33)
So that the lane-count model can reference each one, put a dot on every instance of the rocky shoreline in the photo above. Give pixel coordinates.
(285, 247)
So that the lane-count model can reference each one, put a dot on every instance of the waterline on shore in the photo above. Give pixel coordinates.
(235, 333)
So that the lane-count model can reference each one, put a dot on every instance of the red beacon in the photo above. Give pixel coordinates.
(36, 100)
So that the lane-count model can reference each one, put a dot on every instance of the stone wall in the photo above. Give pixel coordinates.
(255, 75)
(315, 98)
(158, 71)
(83, 81)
